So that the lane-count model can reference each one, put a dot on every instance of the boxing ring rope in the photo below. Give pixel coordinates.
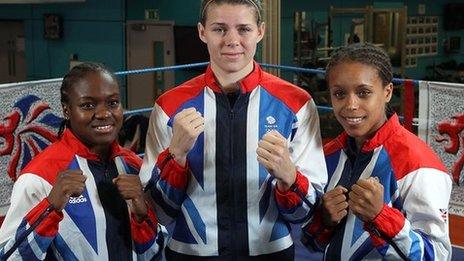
(396, 81)
(149, 109)
(409, 85)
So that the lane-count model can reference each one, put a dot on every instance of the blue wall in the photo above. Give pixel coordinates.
(183, 12)
(93, 30)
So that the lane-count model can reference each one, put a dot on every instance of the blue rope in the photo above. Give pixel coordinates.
(160, 69)
(293, 68)
(138, 111)
(324, 108)
(396, 81)
(149, 109)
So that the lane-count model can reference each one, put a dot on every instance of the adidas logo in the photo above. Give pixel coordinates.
(77, 200)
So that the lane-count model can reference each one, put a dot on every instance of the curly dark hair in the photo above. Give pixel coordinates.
(256, 4)
(74, 76)
(364, 53)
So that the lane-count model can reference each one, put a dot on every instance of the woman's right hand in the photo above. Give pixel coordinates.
(187, 126)
(334, 206)
(69, 183)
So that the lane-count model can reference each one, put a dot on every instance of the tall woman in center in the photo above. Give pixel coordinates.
(234, 155)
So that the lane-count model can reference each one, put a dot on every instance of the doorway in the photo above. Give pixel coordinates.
(12, 52)
(149, 44)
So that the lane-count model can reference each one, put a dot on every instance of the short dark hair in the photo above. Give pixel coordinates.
(77, 73)
(256, 4)
(364, 53)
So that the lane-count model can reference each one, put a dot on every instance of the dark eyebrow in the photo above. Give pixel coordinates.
(336, 86)
(220, 24)
(113, 95)
(224, 24)
(86, 98)
(365, 85)
(358, 86)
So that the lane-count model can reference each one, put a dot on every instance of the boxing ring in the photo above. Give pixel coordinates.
(30, 114)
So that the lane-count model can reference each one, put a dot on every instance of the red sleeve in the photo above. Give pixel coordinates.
(389, 222)
(317, 230)
(290, 199)
(171, 171)
(146, 230)
(49, 226)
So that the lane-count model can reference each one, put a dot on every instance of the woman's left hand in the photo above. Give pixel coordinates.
(273, 153)
(366, 199)
(130, 188)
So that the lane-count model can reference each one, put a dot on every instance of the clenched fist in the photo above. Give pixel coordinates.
(69, 183)
(130, 188)
(274, 155)
(187, 126)
(334, 206)
(366, 199)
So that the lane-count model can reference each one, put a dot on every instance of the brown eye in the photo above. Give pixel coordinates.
(87, 106)
(244, 30)
(364, 93)
(338, 94)
(114, 103)
(219, 30)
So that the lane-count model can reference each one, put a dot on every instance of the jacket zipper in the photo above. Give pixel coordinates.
(232, 172)
(232, 185)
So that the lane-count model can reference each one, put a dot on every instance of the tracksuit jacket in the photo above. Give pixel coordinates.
(413, 223)
(224, 202)
(94, 226)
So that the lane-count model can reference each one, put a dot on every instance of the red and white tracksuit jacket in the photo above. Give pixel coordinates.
(413, 223)
(94, 226)
(224, 202)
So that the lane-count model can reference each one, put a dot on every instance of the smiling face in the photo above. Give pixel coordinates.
(231, 34)
(358, 98)
(94, 111)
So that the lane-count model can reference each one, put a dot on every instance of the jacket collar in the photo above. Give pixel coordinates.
(75, 145)
(389, 128)
(247, 84)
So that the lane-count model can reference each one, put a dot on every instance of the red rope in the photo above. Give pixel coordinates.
(409, 103)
